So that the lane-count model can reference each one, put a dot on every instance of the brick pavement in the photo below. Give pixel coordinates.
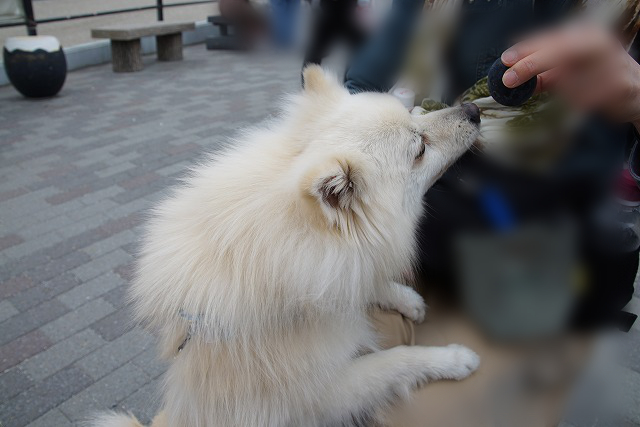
(76, 173)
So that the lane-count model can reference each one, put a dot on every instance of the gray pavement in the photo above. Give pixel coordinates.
(76, 174)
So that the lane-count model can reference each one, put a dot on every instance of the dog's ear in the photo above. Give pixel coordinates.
(333, 186)
(318, 82)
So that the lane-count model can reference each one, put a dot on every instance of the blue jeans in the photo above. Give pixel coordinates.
(283, 19)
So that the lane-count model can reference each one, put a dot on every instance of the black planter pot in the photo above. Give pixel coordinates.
(36, 65)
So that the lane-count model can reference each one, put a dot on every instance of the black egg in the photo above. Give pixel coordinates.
(504, 95)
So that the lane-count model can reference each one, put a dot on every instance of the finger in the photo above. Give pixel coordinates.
(573, 43)
(525, 48)
(581, 36)
(532, 65)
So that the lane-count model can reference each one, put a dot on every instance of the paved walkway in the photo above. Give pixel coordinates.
(76, 172)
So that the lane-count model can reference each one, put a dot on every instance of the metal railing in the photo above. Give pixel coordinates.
(31, 22)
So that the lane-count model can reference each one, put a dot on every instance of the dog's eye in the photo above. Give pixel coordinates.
(421, 152)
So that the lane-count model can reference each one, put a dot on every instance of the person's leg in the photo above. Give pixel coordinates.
(278, 17)
(283, 18)
(392, 328)
(354, 36)
(322, 37)
(248, 22)
(293, 7)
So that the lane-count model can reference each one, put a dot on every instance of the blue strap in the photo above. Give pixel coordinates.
(497, 209)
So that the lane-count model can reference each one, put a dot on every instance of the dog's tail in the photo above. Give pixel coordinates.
(114, 419)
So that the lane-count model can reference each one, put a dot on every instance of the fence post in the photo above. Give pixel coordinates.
(30, 20)
(160, 11)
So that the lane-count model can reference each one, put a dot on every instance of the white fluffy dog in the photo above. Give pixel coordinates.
(261, 267)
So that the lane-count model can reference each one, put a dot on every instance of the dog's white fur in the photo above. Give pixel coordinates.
(271, 253)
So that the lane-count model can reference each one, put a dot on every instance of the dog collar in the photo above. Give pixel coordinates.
(193, 320)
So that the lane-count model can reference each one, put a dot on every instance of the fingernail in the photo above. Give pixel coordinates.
(510, 78)
(509, 57)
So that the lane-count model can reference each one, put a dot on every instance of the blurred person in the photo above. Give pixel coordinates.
(284, 15)
(509, 251)
(334, 21)
(249, 22)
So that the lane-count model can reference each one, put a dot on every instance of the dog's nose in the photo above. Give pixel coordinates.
(472, 111)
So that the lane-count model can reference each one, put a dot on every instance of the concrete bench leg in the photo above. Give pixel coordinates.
(126, 56)
(169, 47)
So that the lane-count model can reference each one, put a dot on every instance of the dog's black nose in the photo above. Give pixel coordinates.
(472, 111)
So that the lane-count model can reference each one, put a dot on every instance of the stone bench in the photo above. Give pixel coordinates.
(126, 50)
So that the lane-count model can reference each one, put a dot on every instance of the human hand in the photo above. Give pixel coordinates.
(585, 64)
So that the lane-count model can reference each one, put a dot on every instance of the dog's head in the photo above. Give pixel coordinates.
(367, 161)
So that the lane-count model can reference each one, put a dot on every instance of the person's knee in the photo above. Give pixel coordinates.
(392, 328)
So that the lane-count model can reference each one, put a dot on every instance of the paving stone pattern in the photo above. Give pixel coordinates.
(76, 175)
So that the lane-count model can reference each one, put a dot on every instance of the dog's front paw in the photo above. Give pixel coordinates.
(410, 304)
(464, 362)
(453, 362)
